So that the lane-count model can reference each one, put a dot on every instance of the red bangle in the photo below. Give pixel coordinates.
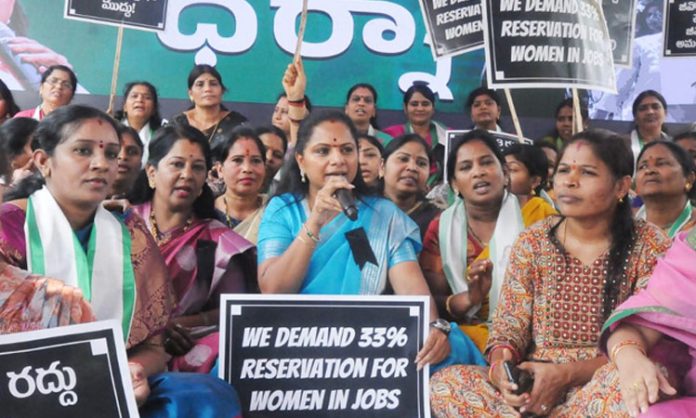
(297, 104)
(298, 101)
(516, 357)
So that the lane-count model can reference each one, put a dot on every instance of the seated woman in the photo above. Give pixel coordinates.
(130, 159)
(29, 302)
(204, 258)
(651, 339)
(61, 230)
(664, 181)
(466, 248)
(241, 162)
(687, 140)
(405, 172)
(276, 143)
(57, 89)
(371, 158)
(302, 239)
(563, 128)
(361, 108)
(566, 275)
(649, 113)
(17, 135)
(484, 107)
(8, 107)
(528, 168)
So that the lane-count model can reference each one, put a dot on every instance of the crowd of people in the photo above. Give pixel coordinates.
(566, 260)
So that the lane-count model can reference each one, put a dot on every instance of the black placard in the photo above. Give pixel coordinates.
(537, 43)
(680, 28)
(136, 14)
(76, 371)
(304, 356)
(454, 26)
(621, 22)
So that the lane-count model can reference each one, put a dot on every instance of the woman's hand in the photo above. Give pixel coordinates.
(640, 380)
(326, 206)
(36, 54)
(295, 81)
(480, 276)
(550, 385)
(501, 382)
(141, 389)
(178, 340)
(435, 349)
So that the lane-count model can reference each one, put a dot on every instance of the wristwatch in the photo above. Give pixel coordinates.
(442, 325)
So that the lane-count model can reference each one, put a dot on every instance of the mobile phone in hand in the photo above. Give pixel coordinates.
(519, 377)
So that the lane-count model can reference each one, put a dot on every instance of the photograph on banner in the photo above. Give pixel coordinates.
(134, 14)
(621, 21)
(503, 139)
(674, 78)
(318, 356)
(535, 43)
(454, 26)
(72, 371)
(680, 28)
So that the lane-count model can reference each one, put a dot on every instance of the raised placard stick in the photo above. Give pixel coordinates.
(114, 74)
(577, 115)
(513, 113)
(301, 31)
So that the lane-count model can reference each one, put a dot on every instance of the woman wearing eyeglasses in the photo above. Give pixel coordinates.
(58, 84)
(649, 112)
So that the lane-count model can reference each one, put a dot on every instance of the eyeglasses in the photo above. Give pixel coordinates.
(56, 82)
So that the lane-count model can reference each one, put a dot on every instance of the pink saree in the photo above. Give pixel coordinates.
(204, 260)
(668, 305)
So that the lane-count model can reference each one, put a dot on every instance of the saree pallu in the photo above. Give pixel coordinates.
(204, 260)
(667, 305)
(392, 236)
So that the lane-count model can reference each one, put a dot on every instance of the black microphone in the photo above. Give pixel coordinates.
(345, 198)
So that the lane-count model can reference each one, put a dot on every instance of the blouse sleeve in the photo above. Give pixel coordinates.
(275, 232)
(430, 259)
(512, 321)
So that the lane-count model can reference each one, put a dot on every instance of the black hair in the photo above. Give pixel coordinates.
(584, 114)
(533, 159)
(162, 142)
(685, 135)
(200, 69)
(421, 88)
(155, 120)
(307, 102)
(373, 120)
(374, 142)
(291, 181)
(223, 143)
(482, 91)
(474, 135)
(4, 165)
(402, 140)
(6, 95)
(16, 133)
(58, 67)
(645, 94)
(679, 154)
(613, 151)
(53, 130)
(263, 130)
(123, 129)
(545, 144)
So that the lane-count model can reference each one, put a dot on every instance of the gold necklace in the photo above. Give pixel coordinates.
(159, 237)
(228, 218)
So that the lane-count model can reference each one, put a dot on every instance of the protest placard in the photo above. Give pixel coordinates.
(319, 356)
(135, 14)
(621, 21)
(74, 371)
(547, 44)
(454, 26)
(680, 28)
(503, 139)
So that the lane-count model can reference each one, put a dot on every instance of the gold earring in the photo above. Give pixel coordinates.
(621, 199)
(151, 183)
(46, 173)
(687, 187)
(303, 178)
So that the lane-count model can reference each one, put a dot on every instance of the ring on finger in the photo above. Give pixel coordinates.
(544, 408)
(636, 387)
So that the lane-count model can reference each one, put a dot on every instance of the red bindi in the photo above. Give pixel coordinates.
(101, 143)
(247, 153)
(335, 140)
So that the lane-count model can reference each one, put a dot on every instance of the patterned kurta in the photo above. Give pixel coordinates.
(550, 309)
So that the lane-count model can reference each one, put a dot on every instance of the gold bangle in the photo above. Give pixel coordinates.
(490, 369)
(309, 234)
(448, 306)
(624, 344)
(305, 242)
